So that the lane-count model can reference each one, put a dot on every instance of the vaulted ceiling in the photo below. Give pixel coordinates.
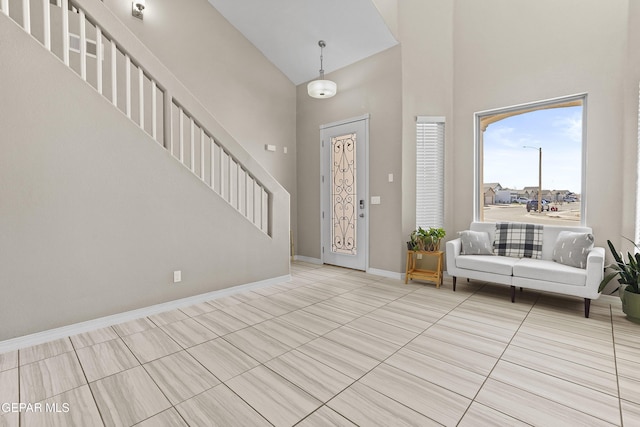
(287, 32)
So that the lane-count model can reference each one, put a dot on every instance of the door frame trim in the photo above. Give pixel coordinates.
(366, 118)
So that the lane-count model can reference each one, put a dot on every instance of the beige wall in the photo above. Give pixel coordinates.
(371, 86)
(95, 215)
(458, 58)
(513, 52)
(235, 82)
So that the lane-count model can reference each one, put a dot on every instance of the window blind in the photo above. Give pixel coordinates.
(430, 171)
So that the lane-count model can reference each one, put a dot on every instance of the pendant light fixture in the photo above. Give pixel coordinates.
(321, 88)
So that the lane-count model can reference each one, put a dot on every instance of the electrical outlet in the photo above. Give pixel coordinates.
(177, 276)
(419, 256)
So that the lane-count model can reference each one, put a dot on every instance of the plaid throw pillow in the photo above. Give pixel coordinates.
(518, 240)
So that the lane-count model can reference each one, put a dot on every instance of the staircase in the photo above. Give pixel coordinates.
(129, 77)
(239, 234)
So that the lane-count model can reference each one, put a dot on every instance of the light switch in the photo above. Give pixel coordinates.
(375, 200)
(390, 177)
(270, 147)
(285, 150)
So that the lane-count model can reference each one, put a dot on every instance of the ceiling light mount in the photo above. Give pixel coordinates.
(322, 88)
(137, 8)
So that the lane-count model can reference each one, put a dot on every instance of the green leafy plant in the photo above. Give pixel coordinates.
(426, 239)
(627, 270)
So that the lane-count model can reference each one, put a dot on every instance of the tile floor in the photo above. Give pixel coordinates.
(334, 347)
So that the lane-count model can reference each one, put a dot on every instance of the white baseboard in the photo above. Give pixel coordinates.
(386, 273)
(308, 259)
(103, 322)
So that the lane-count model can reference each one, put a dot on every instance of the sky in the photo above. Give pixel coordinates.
(557, 130)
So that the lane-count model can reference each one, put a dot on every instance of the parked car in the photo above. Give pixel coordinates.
(570, 199)
(532, 205)
(521, 200)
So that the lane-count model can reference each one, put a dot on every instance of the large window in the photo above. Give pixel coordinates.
(430, 172)
(530, 162)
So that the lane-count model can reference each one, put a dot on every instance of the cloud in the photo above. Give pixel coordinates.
(570, 126)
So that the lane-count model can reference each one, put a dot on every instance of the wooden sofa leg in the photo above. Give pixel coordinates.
(587, 306)
(513, 294)
(454, 283)
(521, 289)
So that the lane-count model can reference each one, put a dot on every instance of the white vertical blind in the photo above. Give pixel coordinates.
(430, 171)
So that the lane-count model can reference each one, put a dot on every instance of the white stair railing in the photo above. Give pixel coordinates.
(71, 31)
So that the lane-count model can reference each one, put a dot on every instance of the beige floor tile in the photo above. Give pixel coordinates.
(220, 407)
(451, 377)
(246, 296)
(247, 313)
(626, 351)
(9, 388)
(8, 360)
(629, 389)
(531, 408)
(314, 377)
(586, 400)
(44, 351)
(180, 376)
(220, 322)
(366, 407)
(366, 298)
(285, 332)
(93, 337)
(225, 301)
(75, 407)
(630, 413)
(367, 344)
(438, 403)
(331, 312)
(466, 339)
(256, 344)
(325, 417)
(10, 419)
(275, 398)
(479, 415)
(576, 340)
(564, 369)
(188, 332)
(345, 304)
(561, 350)
(500, 334)
(107, 358)
(222, 359)
(150, 345)
(490, 314)
(310, 322)
(271, 306)
(49, 377)
(133, 326)
(167, 317)
(168, 418)
(343, 359)
(297, 299)
(128, 397)
(400, 318)
(369, 325)
(455, 355)
(197, 309)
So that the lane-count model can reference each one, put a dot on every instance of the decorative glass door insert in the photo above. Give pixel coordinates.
(343, 195)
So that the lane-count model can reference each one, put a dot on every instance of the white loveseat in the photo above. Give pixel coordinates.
(542, 274)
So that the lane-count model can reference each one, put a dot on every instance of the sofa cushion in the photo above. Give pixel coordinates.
(518, 240)
(476, 243)
(572, 248)
(549, 271)
(488, 264)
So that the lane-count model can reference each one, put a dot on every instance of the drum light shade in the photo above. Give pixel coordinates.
(322, 88)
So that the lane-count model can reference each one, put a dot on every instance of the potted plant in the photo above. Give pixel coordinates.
(629, 277)
(426, 240)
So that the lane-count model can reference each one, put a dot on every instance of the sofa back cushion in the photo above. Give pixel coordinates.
(518, 240)
(549, 234)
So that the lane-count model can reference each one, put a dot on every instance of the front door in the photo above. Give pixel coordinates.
(344, 193)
